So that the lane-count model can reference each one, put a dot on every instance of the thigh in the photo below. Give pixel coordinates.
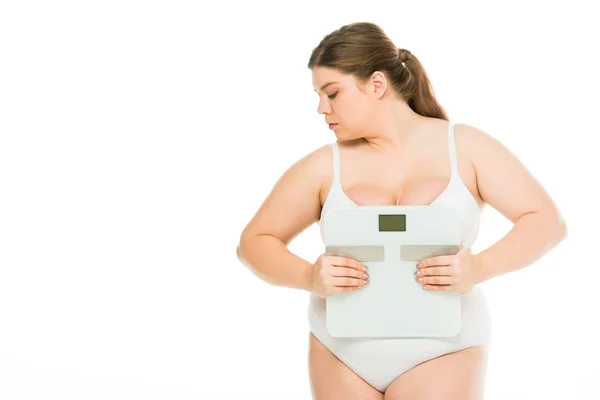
(331, 379)
(455, 376)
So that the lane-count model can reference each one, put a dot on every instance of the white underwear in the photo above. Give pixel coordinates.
(379, 361)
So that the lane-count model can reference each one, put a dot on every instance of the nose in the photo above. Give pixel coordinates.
(323, 106)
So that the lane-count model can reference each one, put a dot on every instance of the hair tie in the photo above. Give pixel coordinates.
(403, 54)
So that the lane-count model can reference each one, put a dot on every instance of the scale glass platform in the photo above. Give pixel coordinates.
(390, 240)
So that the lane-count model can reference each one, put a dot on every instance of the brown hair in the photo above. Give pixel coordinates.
(361, 48)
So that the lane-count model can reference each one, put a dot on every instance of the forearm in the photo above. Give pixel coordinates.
(269, 259)
(532, 236)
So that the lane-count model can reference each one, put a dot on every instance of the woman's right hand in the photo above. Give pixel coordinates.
(335, 274)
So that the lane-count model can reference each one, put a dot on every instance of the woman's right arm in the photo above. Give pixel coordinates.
(292, 206)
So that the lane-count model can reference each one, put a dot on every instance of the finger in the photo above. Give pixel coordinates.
(340, 289)
(347, 262)
(438, 260)
(350, 272)
(440, 288)
(429, 262)
(444, 288)
(433, 271)
(437, 280)
(349, 282)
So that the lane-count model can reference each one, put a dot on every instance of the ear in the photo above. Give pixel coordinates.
(379, 84)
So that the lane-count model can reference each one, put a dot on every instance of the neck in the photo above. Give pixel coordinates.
(399, 125)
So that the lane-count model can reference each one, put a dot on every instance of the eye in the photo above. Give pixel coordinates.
(333, 95)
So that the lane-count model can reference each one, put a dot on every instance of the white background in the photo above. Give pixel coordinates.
(139, 138)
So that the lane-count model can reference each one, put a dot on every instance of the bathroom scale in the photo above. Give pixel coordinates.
(390, 240)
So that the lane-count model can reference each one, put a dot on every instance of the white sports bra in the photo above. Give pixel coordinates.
(455, 194)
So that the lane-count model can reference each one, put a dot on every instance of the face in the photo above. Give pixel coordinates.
(344, 103)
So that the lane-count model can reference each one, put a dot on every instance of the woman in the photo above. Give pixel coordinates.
(395, 146)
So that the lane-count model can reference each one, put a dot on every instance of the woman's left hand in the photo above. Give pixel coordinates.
(452, 273)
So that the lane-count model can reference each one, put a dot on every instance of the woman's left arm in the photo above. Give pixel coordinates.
(505, 184)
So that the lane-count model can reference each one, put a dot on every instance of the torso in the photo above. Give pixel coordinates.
(417, 176)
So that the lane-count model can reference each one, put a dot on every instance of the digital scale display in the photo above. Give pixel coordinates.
(392, 222)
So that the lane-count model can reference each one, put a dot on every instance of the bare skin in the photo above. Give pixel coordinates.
(416, 177)
(331, 379)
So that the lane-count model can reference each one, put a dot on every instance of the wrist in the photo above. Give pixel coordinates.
(308, 278)
(481, 267)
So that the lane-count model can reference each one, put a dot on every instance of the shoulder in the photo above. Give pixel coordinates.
(477, 143)
(471, 132)
(503, 181)
(490, 158)
(316, 168)
(316, 164)
(321, 157)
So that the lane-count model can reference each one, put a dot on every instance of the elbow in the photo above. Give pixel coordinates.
(238, 251)
(560, 230)
(241, 245)
(556, 224)
(564, 230)
(562, 227)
